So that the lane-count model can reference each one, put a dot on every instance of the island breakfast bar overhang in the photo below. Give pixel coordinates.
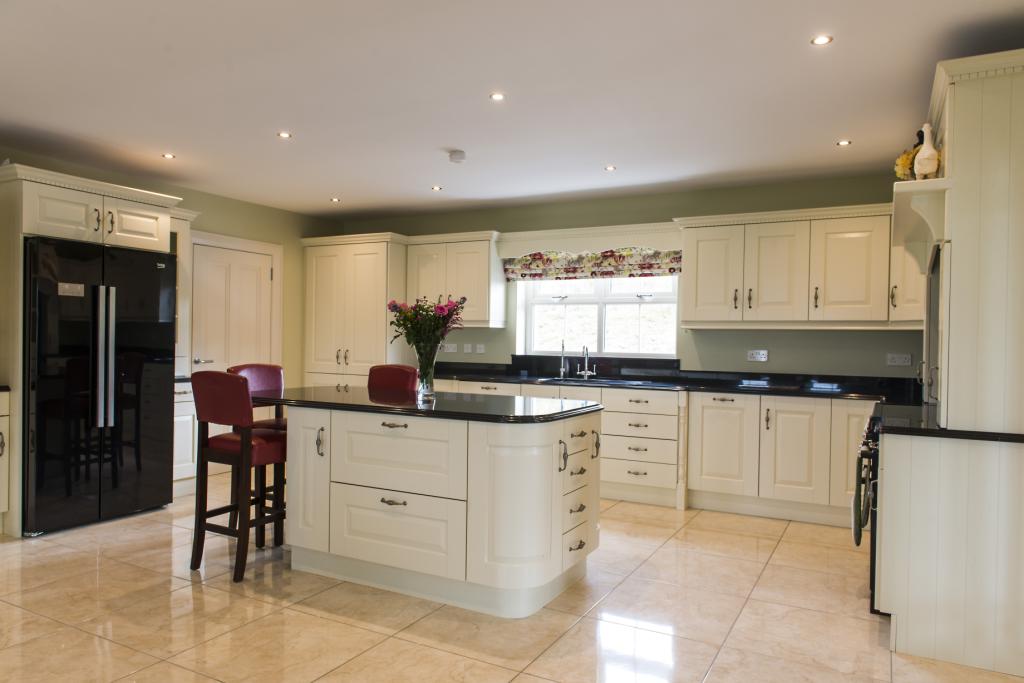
(484, 502)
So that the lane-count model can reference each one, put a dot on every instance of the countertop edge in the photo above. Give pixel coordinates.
(442, 415)
(962, 434)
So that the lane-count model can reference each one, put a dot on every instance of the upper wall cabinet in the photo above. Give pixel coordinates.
(713, 273)
(850, 268)
(460, 265)
(907, 281)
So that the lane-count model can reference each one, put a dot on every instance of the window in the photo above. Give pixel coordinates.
(623, 316)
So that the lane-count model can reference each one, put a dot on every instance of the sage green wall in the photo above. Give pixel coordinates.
(848, 353)
(227, 217)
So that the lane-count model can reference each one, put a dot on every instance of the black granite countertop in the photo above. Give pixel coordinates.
(4, 387)
(922, 421)
(447, 405)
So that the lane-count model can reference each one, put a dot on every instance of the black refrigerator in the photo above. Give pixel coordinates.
(99, 374)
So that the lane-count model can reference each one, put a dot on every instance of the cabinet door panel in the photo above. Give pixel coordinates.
(5, 457)
(184, 440)
(365, 315)
(467, 267)
(712, 273)
(723, 443)
(135, 225)
(849, 418)
(795, 449)
(775, 271)
(324, 268)
(425, 272)
(308, 522)
(907, 281)
(62, 213)
(849, 269)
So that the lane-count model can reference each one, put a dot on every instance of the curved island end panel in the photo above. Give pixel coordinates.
(485, 502)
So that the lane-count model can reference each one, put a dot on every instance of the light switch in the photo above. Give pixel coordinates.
(450, 348)
(467, 348)
(758, 355)
(900, 360)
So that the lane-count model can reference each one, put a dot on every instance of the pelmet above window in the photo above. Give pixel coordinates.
(563, 265)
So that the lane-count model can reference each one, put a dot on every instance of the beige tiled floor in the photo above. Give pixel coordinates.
(668, 596)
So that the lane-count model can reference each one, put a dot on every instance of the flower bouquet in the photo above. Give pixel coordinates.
(424, 325)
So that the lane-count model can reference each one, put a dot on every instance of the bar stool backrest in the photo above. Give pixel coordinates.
(222, 398)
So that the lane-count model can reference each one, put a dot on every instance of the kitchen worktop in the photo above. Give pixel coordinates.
(446, 405)
(922, 421)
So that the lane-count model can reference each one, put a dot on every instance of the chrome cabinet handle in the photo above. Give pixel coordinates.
(892, 296)
(815, 297)
(200, 361)
(110, 230)
(580, 508)
(320, 442)
(639, 425)
(579, 546)
(736, 299)
(346, 356)
(488, 388)
(337, 357)
(579, 435)
(723, 400)
(389, 501)
(767, 418)
(394, 425)
(565, 456)
(340, 387)
(181, 393)
(99, 220)
(750, 297)
(580, 471)
(597, 445)
(636, 473)
(638, 400)
(637, 449)
(3, 447)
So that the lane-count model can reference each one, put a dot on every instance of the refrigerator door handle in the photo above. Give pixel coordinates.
(111, 348)
(101, 364)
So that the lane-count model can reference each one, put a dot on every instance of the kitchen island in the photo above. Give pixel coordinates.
(484, 502)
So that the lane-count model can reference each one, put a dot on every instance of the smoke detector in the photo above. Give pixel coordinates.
(456, 156)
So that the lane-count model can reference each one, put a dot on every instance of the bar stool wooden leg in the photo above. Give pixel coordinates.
(244, 493)
(233, 515)
(261, 505)
(278, 504)
(202, 476)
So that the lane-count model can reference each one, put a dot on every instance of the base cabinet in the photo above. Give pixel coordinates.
(308, 523)
(185, 439)
(794, 458)
(723, 449)
(5, 453)
(849, 419)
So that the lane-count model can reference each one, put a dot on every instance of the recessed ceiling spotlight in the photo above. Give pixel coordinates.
(822, 39)
(335, 200)
(284, 135)
(167, 155)
(497, 97)
(609, 168)
(436, 188)
(844, 143)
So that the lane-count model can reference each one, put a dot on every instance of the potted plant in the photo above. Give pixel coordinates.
(424, 325)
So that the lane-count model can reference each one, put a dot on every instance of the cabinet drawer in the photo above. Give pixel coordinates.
(639, 448)
(576, 508)
(182, 392)
(540, 390)
(581, 393)
(489, 388)
(577, 472)
(642, 473)
(418, 533)
(5, 403)
(414, 454)
(576, 545)
(339, 382)
(578, 433)
(446, 385)
(640, 401)
(636, 424)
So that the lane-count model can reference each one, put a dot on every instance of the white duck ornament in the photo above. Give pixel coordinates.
(926, 163)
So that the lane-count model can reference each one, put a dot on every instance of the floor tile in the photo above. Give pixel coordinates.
(674, 563)
(529, 678)
(832, 593)
(649, 514)
(70, 654)
(737, 666)
(671, 609)
(595, 650)
(271, 579)
(165, 672)
(370, 608)
(613, 530)
(726, 544)
(837, 536)
(30, 567)
(709, 520)
(171, 623)
(127, 540)
(843, 644)
(18, 625)
(218, 558)
(284, 646)
(607, 503)
(909, 669)
(580, 597)
(821, 558)
(112, 585)
(620, 557)
(509, 643)
(400, 661)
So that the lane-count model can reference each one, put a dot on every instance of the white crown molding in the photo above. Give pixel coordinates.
(184, 214)
(780, 216)
(11, 172)
(952, 71)
(599, 231)
(362, 238)
(475, 236)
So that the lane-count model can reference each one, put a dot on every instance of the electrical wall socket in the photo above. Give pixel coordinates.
(901, 360)
(758, 355)
(480, 348)
(450, 348)
(467, 348)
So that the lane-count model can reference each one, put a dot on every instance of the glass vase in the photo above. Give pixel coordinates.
(426, 356)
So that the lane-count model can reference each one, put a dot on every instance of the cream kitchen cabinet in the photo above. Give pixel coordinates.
(724, 436)
(578, 393)
(347, 289)
(309, 479)
(849, 419)
(488, 388)
(339, 382)
(87, 217)
(794, 445)
(456, 266)
(775, 271)
(185, 437)
(849, 269)
(540, 390)
(908, 281)
(713, 276)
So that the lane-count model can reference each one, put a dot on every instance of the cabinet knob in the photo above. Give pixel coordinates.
(346, 356)
(767, 418)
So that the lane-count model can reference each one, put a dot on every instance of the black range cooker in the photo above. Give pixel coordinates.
(864, 505)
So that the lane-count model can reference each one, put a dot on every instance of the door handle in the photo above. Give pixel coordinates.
(816, 297)
(636, 473)
(346, 356)
(389, 501)
(736, 299)
(580, 508)
(750, 297)
(111, 352)
(337, 357)
(576, 473)
(892, 296)
(565, 456)
(597, 444)
(99, 220)
(101, 357)
(394, 425)
(320, 442)
(110, 230)
(637, 425)
(199, 361)
(767, 418)
(723, 400)
(638, 400)
(579, 546)
(3, 445)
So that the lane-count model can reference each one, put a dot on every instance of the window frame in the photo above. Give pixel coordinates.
(601, 297)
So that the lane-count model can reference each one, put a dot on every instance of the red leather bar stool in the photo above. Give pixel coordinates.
(222, 398)
(393, 377)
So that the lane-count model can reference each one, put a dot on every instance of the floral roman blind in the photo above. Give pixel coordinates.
(563, 265)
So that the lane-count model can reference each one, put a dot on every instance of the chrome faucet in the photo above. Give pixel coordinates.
(562, 367)
(586, 373)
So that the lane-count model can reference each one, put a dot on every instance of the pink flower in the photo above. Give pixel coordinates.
(441, 310)
(403, 306)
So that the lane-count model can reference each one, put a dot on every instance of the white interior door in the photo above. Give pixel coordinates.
(712, 273)
(775, 271)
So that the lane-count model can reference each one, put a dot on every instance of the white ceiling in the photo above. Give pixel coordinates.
(673, 93)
